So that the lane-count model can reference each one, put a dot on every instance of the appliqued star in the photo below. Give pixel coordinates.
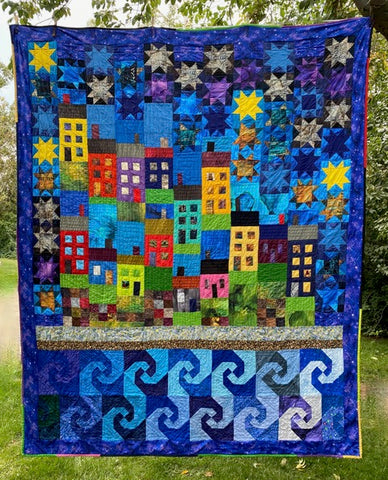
(248, 105)
(335, 206)
(46, 270)
(245, 168)
(330, 293)
(99, 59)
(336, 175)
(333, 236)
(217, 91)
(304, 192)
(188, 105)
(216, 121)
(308, 132)
(45, 180)
(338, 113)
(45, 150)
(340, 83)
(159, 58)
(339, 51)
(335, 141)
(188, 75)
(70, 74)
(44, 121)
(306, 159)
(309, 72)
(276, 178)
(219, 59)
(279, 87)
(279, 57)
(42, 57)
(45, 241)
(247, 136)
(46, 210)
(247, 74)
(130, 106)
(100, 89)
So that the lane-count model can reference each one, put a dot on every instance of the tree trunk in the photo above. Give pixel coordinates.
(378, 11)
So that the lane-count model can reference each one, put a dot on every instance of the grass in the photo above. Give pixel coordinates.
(8, 276)
(373, 465)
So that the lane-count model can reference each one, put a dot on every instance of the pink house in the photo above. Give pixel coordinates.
(214, 285)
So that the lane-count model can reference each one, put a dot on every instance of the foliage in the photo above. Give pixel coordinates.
(374, 375)
(375, 274)
(200, 12)
(7, 180)
(5, 75)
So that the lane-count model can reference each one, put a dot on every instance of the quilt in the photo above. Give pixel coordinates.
(190, 222)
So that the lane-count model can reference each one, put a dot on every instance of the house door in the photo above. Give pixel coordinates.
(136, 288)
(214, 290)
(153, 259)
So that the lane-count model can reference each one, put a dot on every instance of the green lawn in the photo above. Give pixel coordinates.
(373, 465)
(8, 276)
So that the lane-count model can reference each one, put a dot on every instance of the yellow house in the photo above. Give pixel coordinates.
(244, 248)
(215, 190)
(130, 280)
(73, 139)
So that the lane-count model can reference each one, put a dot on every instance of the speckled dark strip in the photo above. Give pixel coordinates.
(190, 344)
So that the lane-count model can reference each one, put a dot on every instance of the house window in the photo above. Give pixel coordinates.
(96, 270)
(165, 181)
(180, 271)
(222, 283)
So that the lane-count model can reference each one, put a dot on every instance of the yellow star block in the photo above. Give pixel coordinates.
(335, 175)
(42, 57)
(248, 105)
(45, 150)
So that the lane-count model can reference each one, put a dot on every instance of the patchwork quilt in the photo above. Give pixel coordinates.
(190, 215)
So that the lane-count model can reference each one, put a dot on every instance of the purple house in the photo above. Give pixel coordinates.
(130, 180)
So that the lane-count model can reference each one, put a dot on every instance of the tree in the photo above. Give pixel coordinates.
(375, 272)
(143, 11)
(7, 180)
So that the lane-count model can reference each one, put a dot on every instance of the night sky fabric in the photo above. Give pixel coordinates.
(190, 215)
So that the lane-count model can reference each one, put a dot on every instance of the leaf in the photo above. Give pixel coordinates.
(336, 477)
(184, 472)
(301, 464)
(374, 358)
(208, 474)
(283, 462)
